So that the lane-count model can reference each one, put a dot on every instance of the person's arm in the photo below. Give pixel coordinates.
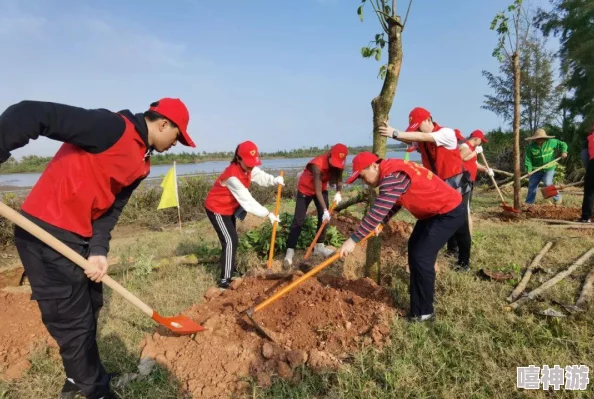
(262, 178)
(528, 160)
(93, 130)
(481, 168)
(390, 189)
(317, 181)
(102, 227)
(466, 153)
(563, 147)
(244, 197)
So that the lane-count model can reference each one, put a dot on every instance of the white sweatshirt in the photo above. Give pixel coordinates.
(243, 195)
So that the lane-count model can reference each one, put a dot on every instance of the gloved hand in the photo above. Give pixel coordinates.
(337, 197)
(478, 149)
(279, 180)
(490, 172)
(326, 216)
(273, 218)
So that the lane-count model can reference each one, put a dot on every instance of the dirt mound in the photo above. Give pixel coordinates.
(21, 332)
(317, 324)
(553, 212)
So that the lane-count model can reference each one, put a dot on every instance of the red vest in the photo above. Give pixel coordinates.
(470, 165)
(443, 162)
(77, 187)
(219, 199)
(427, 194)
(306, 183)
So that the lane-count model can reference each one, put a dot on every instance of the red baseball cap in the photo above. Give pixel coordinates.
(248, 151)
(459, 136)
(360, 162)
(416, 117)
(175, 110)
(338, 155)
(479, 135)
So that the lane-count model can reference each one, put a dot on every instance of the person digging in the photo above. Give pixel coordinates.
(439, 210)
(78, 199)
(230, 198)
(588, 199)
(313, 186)
(439, 153)
(542, 149)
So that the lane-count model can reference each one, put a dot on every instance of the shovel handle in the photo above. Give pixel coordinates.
(276, 211)
(69, 253)
(310, 249)
(303, 278)
(492, 178)
(533, 172)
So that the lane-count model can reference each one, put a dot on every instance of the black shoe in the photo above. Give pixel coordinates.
(224, 283)
(584, 221)
(70, 391)
(462, 267)
(421, 319)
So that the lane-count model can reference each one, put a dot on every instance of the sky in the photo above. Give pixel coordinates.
(284, 74)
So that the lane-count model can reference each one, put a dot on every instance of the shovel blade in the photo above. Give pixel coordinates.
(549, 191)
(178, 324)
(508, 208)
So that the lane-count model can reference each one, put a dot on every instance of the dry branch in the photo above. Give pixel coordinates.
(522, 284)
(586, 293)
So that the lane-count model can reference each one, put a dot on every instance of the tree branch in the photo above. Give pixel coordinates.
(380, 16)
(359, 198)
(406, 16)
(394, 9)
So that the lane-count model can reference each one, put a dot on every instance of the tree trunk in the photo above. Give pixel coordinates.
(381, 106)
(516, 152)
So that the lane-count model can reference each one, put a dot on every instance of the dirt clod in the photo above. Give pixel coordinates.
(212, 293)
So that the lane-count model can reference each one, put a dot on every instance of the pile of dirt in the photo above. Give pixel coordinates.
(318, 324)
(553, 212)
(21, 333)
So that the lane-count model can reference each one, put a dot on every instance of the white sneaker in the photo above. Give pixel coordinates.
(320, 249)
(288, 261)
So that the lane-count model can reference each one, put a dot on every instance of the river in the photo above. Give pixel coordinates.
(25, 180)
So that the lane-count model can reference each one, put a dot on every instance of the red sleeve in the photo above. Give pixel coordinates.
(591, 146)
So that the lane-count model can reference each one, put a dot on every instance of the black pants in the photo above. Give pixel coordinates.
(227, 231)
(301, 204)
(588, 200)
(69, 303)
(461, 242)
(427, 238)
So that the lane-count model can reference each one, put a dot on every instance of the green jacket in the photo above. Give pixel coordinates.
(536, 156)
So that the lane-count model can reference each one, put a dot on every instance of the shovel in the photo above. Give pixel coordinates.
(504, 204)
(273, 236)
(552, 190)
(531, 173)
(178, 324)
(324, 223)
(282, 292)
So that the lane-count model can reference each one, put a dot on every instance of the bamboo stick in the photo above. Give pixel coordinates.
(522, 284)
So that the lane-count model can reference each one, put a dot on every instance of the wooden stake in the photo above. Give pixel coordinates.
(522, 284)
(548, 284)
(177, 196)
(586, 293)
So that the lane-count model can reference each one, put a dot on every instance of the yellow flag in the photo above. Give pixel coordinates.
(169, 197)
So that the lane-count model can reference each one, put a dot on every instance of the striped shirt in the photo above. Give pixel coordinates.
(391, 188)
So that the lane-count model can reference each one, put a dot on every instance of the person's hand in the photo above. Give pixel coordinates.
(490, 172)
(564, 155)
(337, 198)
(326, 216)
(348, 247)
(478, 149)
(100, 262)
(387, 131)
(378, 229)
(279, 180)
(273, 218)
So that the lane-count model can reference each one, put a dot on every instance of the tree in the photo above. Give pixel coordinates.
(392, 27)
(573, 22)
(539, 98)
(510, 52)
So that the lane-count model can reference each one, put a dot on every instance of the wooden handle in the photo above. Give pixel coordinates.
(324, 223)
(534, 171)
(492, 178)
(276, 211)
(69, 253)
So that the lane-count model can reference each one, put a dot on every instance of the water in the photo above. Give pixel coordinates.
(25, 180)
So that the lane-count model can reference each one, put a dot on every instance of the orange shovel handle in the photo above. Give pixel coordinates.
(276, 211)
(313, 243)
(305, 277)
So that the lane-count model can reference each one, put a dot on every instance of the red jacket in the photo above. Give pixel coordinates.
(470, 165)
(220, 199)
(443, 162)
(306, 183)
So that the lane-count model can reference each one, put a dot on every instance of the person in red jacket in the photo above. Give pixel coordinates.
(229, 199)
(439, 153)
(588, 200)
(313, 185)
(437, 206)
(78, 199)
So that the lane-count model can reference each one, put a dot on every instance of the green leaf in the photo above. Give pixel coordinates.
(382, 71)
(378, 54)
(360, 13)
(388, 10)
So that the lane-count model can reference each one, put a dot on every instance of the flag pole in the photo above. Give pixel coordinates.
(177, 196)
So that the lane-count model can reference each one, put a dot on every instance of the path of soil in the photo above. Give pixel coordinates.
(319, 324)
(544, 211)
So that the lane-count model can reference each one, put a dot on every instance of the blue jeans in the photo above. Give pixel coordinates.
(535, 179)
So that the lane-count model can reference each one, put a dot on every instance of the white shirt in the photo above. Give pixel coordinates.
(243, 195)
(446, 137)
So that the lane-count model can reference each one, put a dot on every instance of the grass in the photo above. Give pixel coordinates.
(470, 351)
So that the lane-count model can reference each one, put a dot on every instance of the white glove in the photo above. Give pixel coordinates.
(337, 198)
(490, 172)
(273, 218)
(326, 217)
(478, 149)
(279, 180)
